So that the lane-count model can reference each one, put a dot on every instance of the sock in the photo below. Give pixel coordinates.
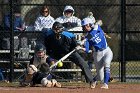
(106, 75)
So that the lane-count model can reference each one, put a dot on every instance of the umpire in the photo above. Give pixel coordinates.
(59, 42)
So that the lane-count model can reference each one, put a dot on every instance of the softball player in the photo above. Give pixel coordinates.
(38, 71)
(102, 53)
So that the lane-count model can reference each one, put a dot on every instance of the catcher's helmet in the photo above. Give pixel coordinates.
(40, 47)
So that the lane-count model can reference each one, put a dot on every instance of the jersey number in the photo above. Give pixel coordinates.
(97, 40)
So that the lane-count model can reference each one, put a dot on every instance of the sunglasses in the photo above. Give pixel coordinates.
(68, 11)
(45, 11)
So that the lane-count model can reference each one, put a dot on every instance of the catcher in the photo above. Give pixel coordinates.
(38, 71)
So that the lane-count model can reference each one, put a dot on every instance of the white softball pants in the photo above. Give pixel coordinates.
(102, 60)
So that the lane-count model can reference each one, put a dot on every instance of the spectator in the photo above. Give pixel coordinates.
(44, 20)
(68, 19)
(18, 21)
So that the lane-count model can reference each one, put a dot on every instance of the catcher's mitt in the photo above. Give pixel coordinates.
(44, 67)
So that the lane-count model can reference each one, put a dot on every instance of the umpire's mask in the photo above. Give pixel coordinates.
(40, 50)
(58, 29)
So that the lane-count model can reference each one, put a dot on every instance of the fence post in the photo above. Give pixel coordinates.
(11, 42)
(123, 40)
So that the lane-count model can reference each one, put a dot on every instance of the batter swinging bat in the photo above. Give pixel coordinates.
(62, 59)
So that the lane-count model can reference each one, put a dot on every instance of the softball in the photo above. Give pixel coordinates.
(60, 64)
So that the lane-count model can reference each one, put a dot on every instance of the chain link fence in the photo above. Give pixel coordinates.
(109, 11)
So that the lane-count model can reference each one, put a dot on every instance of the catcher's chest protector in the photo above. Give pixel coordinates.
(38, 61)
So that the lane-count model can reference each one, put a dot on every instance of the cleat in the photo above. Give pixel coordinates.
(93, 84)
(105, 86)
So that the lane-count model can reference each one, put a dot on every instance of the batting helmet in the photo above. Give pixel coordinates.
(86, 21)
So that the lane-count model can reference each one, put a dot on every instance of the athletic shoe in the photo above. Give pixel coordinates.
(93, 84)
(104, 86)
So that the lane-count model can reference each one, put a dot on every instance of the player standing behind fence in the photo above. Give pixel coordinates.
(102, 55)
(59, 42)
(44, 21)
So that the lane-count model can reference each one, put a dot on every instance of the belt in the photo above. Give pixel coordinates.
(101, 49)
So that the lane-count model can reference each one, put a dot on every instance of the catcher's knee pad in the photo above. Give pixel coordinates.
(31, 69)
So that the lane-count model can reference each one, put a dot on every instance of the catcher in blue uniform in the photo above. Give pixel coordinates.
(38, 71)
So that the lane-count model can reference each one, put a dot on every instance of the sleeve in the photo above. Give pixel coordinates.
(89, 36)
(31, 61)
(78, 22)
(60, 20)
(72, 39)
(22, 22)
(49, 60)
(19, 23)
(6, 21)
(37, 24)
(87, 42)
(73, 43)
(52, 22)
(86, 45)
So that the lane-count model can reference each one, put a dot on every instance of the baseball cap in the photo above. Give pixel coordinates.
(86, 21)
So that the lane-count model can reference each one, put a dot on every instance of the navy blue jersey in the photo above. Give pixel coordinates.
(57, 48)
(96, 38)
